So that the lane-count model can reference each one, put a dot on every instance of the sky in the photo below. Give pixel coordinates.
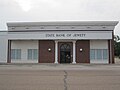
(59, 10)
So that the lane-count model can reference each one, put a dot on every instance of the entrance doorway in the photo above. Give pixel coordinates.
(65, 53)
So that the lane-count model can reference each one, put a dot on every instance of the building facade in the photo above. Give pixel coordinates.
(58, 42)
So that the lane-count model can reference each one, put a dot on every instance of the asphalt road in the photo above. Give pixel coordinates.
(59, 77)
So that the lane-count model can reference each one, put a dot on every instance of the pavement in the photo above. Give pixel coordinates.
(117, 60)
(60, 77)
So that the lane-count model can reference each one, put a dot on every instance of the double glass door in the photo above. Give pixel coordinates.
(65, 53)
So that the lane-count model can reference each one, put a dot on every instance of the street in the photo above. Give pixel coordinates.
(59, 77)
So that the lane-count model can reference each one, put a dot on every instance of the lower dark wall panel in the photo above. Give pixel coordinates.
(46, 56)
(84, 55)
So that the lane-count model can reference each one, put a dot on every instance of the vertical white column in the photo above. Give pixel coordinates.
(56, 51)
(74, 52)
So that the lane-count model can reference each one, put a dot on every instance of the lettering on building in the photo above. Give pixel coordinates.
(65, 35)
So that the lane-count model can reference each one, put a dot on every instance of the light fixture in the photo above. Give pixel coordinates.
(81, 49)
(72, 27)
(42, 27)
(103, 27)
(27, 28)
(49, 49)
(57, 27)
(13, 27)
(88, 27)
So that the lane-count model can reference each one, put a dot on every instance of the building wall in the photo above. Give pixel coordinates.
(83, 56)
(3, 46)
(58, 35)
(99, 44)
(24, 45)
(46, 56)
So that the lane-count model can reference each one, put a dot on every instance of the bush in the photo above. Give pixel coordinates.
(119, 56)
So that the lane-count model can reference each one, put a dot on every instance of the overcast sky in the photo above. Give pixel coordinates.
(57, 10)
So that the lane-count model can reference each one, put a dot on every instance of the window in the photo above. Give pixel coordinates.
(29, 53)
(92, 54)
(15, 53)
(32, 54)
(65, 47)
(105, 54)
(98, 54)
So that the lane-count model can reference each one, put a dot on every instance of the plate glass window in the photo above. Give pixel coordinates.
(98, 54)
(92, 54)
(32, 54)
(15, 53)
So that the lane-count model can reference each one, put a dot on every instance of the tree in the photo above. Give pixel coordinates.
(116, 38)
(117, 45)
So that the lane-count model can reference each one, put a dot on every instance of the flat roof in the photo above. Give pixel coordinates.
(80, 23)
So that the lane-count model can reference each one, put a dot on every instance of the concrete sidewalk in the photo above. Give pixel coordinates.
(37, 66)
(59, 77)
